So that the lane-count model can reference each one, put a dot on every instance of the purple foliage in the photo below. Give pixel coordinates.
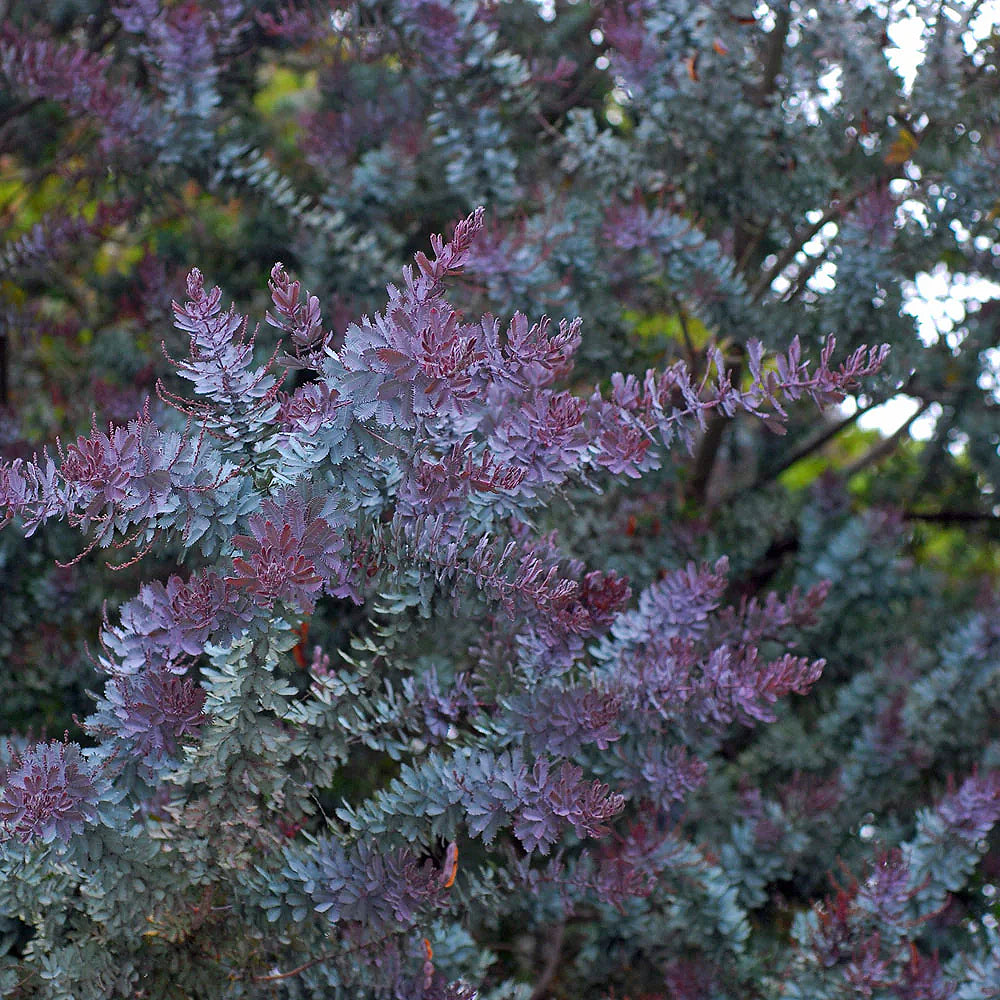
(561, 722)
(404, 459)
(182, 42)
(289, 556)
(886, 892)
(833, 936)
(112, 481)
(79, 81)
(616, 879)
(551, 800)
(291, 23)
(675, 658)
(542, 800)
(415, 456)
(156, 709)
(923, 979)
(47, 792)
(666, 774)
(632, 226)
(220, 354)
(440, 706)
(168, 624)
(624, 29)
(100, 468)
(49, 242)
(874, 218)
(973, 809)
(441, 486)
(548, 436)
(375, 889)
(865, 932)
(868, 969)
(437, 29)
(302, 321)
(307, 409)
(691, 980)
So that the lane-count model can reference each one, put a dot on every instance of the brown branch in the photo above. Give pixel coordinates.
(813, 444)
(753, 233)
(969, 16)
(760, 574)
(805, 273)
(294, 972)
(704, 462)
(688, 344)
(19, 109)
(835, 210)
(885, 447)
(4, 378)
(554, 955)
(775, 53)
(952, 516)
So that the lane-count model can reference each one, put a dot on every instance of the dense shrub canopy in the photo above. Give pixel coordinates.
(408, 643)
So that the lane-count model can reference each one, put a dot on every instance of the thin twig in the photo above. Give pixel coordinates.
(299, 968)
(805, 273)
(835, 210)
(970, 16)
(550, 128)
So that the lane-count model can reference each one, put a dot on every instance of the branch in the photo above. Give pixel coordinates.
(4, 389)
(970, 16)
(805, 273)
(19, 109)
(21, 983)
(760, 574)
(704, 462)
(775, 53)
(885, 447)
(550, 128)
(835, 210)
(812, 444)
(299, 968)
(554, 954)
(749, 236)
(952, 516)
(688, 345)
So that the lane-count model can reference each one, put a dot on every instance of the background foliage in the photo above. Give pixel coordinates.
(374, 773)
